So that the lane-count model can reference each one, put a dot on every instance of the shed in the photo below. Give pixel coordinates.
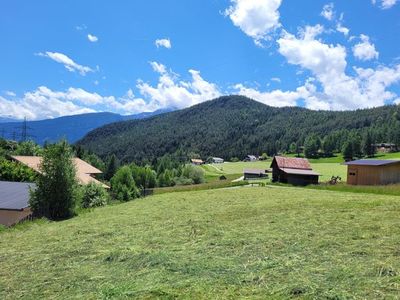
(84, 171)
(14, 202)
(296, 171)
(217, 160)
(254, 174)
(373, 172)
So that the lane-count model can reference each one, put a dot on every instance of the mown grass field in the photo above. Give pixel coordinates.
(253, 243)
(327, 170)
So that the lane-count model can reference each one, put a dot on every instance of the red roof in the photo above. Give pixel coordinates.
(292, 163)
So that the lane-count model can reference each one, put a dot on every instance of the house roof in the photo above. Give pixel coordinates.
(253, 171)
(252, 156)
(217, 158)
(14, 195)
(371, 162)
(195, 160)
(83, 169)
(300, 172)
(292, 163)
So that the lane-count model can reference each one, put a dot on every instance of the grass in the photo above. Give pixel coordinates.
(253, 243)
(327, 170)
(393, 189)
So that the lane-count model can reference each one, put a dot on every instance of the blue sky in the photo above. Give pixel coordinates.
(69, 57)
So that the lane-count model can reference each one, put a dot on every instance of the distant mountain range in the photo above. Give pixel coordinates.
(71, 128)
(234, 126)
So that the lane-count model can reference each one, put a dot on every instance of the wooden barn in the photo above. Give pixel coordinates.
(254, 174)
(373, 172)
(296, 171)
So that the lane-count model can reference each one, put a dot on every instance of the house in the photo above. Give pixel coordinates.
(217, 160)
(14, 202)
(296, 171)
(197, 162)
(373, 172)
(386, 147)
(254, 174)
(84, 171)
(250, 158)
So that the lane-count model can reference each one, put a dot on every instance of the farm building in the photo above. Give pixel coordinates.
(217, 160)
(84, 172)
(197, 162)
(296, 171)
(250, 158)
(386, 147)
(254, 174)
(373, 172)
(14, 202)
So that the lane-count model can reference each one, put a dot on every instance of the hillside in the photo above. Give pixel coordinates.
(256, 243)
(72, 128)
(232, 126)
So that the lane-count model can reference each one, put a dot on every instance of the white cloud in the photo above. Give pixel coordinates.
(342, 29)
(10, 93)
(385, 4)
(92, 38)
(365, 50)
(157, 67)
(68, 63)
(256, 18)
(340, 91)
(276, 79)
(166, 43)
(328, 11)
(44, 103)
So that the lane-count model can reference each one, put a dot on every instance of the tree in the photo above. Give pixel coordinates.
(368, 148)
(144, 177)
(28, 148)
(328, 145)
(111, 168)
(196, 174)
(123, 186)
(57, 189)
(347, 151)
(311, 146)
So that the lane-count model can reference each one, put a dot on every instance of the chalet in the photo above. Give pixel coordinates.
(250, 158)
(386, 147)
(373, 172)
(84, 172)
(217, 160)
(296, 171)
(197, 162)
(14, 202)
(254, 174)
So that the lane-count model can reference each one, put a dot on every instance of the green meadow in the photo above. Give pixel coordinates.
(254, 243)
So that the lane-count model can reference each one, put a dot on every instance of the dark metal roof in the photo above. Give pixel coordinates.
(14, 195)
(300, 172)
(371, 162)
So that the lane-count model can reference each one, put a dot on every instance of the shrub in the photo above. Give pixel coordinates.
(94, 195)
(123, 186)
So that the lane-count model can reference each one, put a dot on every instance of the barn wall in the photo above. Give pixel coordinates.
(12, 217)
(374, 175)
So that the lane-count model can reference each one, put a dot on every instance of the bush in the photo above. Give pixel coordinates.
(13, 171)
(183, 181)
(195, 173)
(123, 186)
(94, 195)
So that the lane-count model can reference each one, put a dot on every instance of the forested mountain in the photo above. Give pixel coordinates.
(71, 128)
(233, 126)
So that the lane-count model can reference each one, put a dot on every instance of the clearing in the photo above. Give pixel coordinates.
(233, 243)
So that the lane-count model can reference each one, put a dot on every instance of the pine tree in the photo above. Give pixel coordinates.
(111, 168)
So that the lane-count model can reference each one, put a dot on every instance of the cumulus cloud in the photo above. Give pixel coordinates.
(328, 11)
(327, 63)
(10, 93)
(256, 18)
(385, 4)
(92, 38)
(166, 43)
(365, 50)
(68, 63)
(342, 29)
